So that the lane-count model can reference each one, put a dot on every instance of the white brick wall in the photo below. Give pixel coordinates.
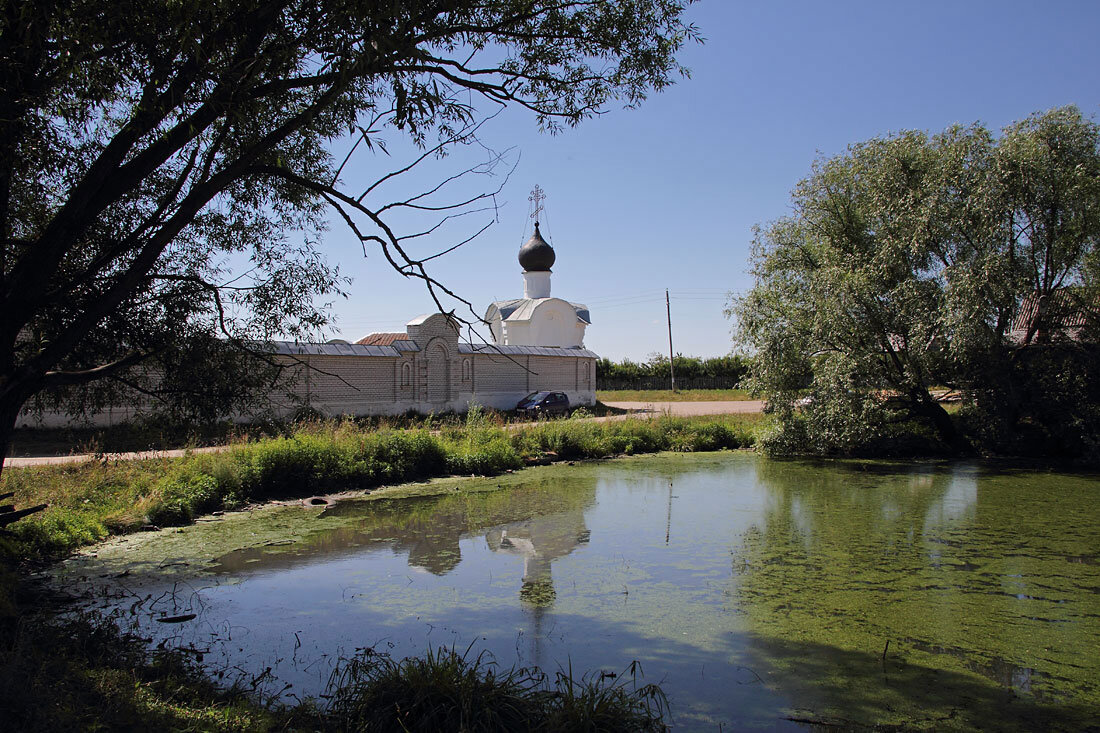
(392, 385)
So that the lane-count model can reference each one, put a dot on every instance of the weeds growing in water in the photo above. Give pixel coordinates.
(448, 691)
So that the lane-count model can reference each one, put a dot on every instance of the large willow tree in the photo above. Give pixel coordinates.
(905, 266)
(149, 148)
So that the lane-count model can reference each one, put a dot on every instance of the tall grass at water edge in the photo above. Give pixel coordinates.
(91, 501)
(445, 690)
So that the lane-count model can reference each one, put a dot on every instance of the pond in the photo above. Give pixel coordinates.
(758, 593)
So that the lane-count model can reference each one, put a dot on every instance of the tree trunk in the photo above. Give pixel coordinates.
(9, 413)
(944, 425)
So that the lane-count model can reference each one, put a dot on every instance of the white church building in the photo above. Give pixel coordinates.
(538, 344)
(537, 319)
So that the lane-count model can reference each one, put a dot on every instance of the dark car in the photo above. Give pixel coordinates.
(543, 404)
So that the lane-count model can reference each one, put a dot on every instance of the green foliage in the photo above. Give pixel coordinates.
(59, 530)
(693, 394)
(485, 458)
(295, 466)
(692, 371)
(443, 690)
(481, 447)
(88, 502)
(448, 691)
(593, 703)
(903, 269)
(185, 495)
(1056, 409)
(568, 441)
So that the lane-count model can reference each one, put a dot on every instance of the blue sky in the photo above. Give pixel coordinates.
(665, 196)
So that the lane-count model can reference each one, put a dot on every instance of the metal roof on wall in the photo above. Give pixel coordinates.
(525, 350)
(290, 348)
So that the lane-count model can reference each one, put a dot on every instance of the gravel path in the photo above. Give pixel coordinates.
(84, 457)
(684, 409)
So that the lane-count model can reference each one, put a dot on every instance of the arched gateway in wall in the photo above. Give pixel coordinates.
(439, 374)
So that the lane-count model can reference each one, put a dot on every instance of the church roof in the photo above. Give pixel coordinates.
(382, 339)
(536, 254)
(521, 309)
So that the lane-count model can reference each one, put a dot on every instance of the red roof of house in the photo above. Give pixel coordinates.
(1065, 316)
(382, 339)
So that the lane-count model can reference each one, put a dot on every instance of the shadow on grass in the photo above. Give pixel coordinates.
(80, 674)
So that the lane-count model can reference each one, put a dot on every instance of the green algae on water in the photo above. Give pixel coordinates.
(923, 595)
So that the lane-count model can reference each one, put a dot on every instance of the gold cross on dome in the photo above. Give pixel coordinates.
(538, 196)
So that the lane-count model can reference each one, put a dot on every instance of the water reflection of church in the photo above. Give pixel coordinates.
(539, 541)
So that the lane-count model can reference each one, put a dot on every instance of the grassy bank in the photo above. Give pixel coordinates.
(91, 501)
(667, 395)
(158, 434)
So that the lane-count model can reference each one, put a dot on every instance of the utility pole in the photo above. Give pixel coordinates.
(671, 369)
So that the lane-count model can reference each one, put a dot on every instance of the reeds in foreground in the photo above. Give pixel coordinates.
(446, 690)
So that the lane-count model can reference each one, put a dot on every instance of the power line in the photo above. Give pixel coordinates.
(682, 293)
(627, 305)
(645, 294)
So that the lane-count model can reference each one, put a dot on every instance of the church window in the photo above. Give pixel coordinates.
(466, 370)
(406, 374)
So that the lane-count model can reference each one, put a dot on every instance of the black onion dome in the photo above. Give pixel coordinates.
(537, 254)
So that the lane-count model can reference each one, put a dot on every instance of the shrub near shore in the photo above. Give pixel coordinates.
(91, 501)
